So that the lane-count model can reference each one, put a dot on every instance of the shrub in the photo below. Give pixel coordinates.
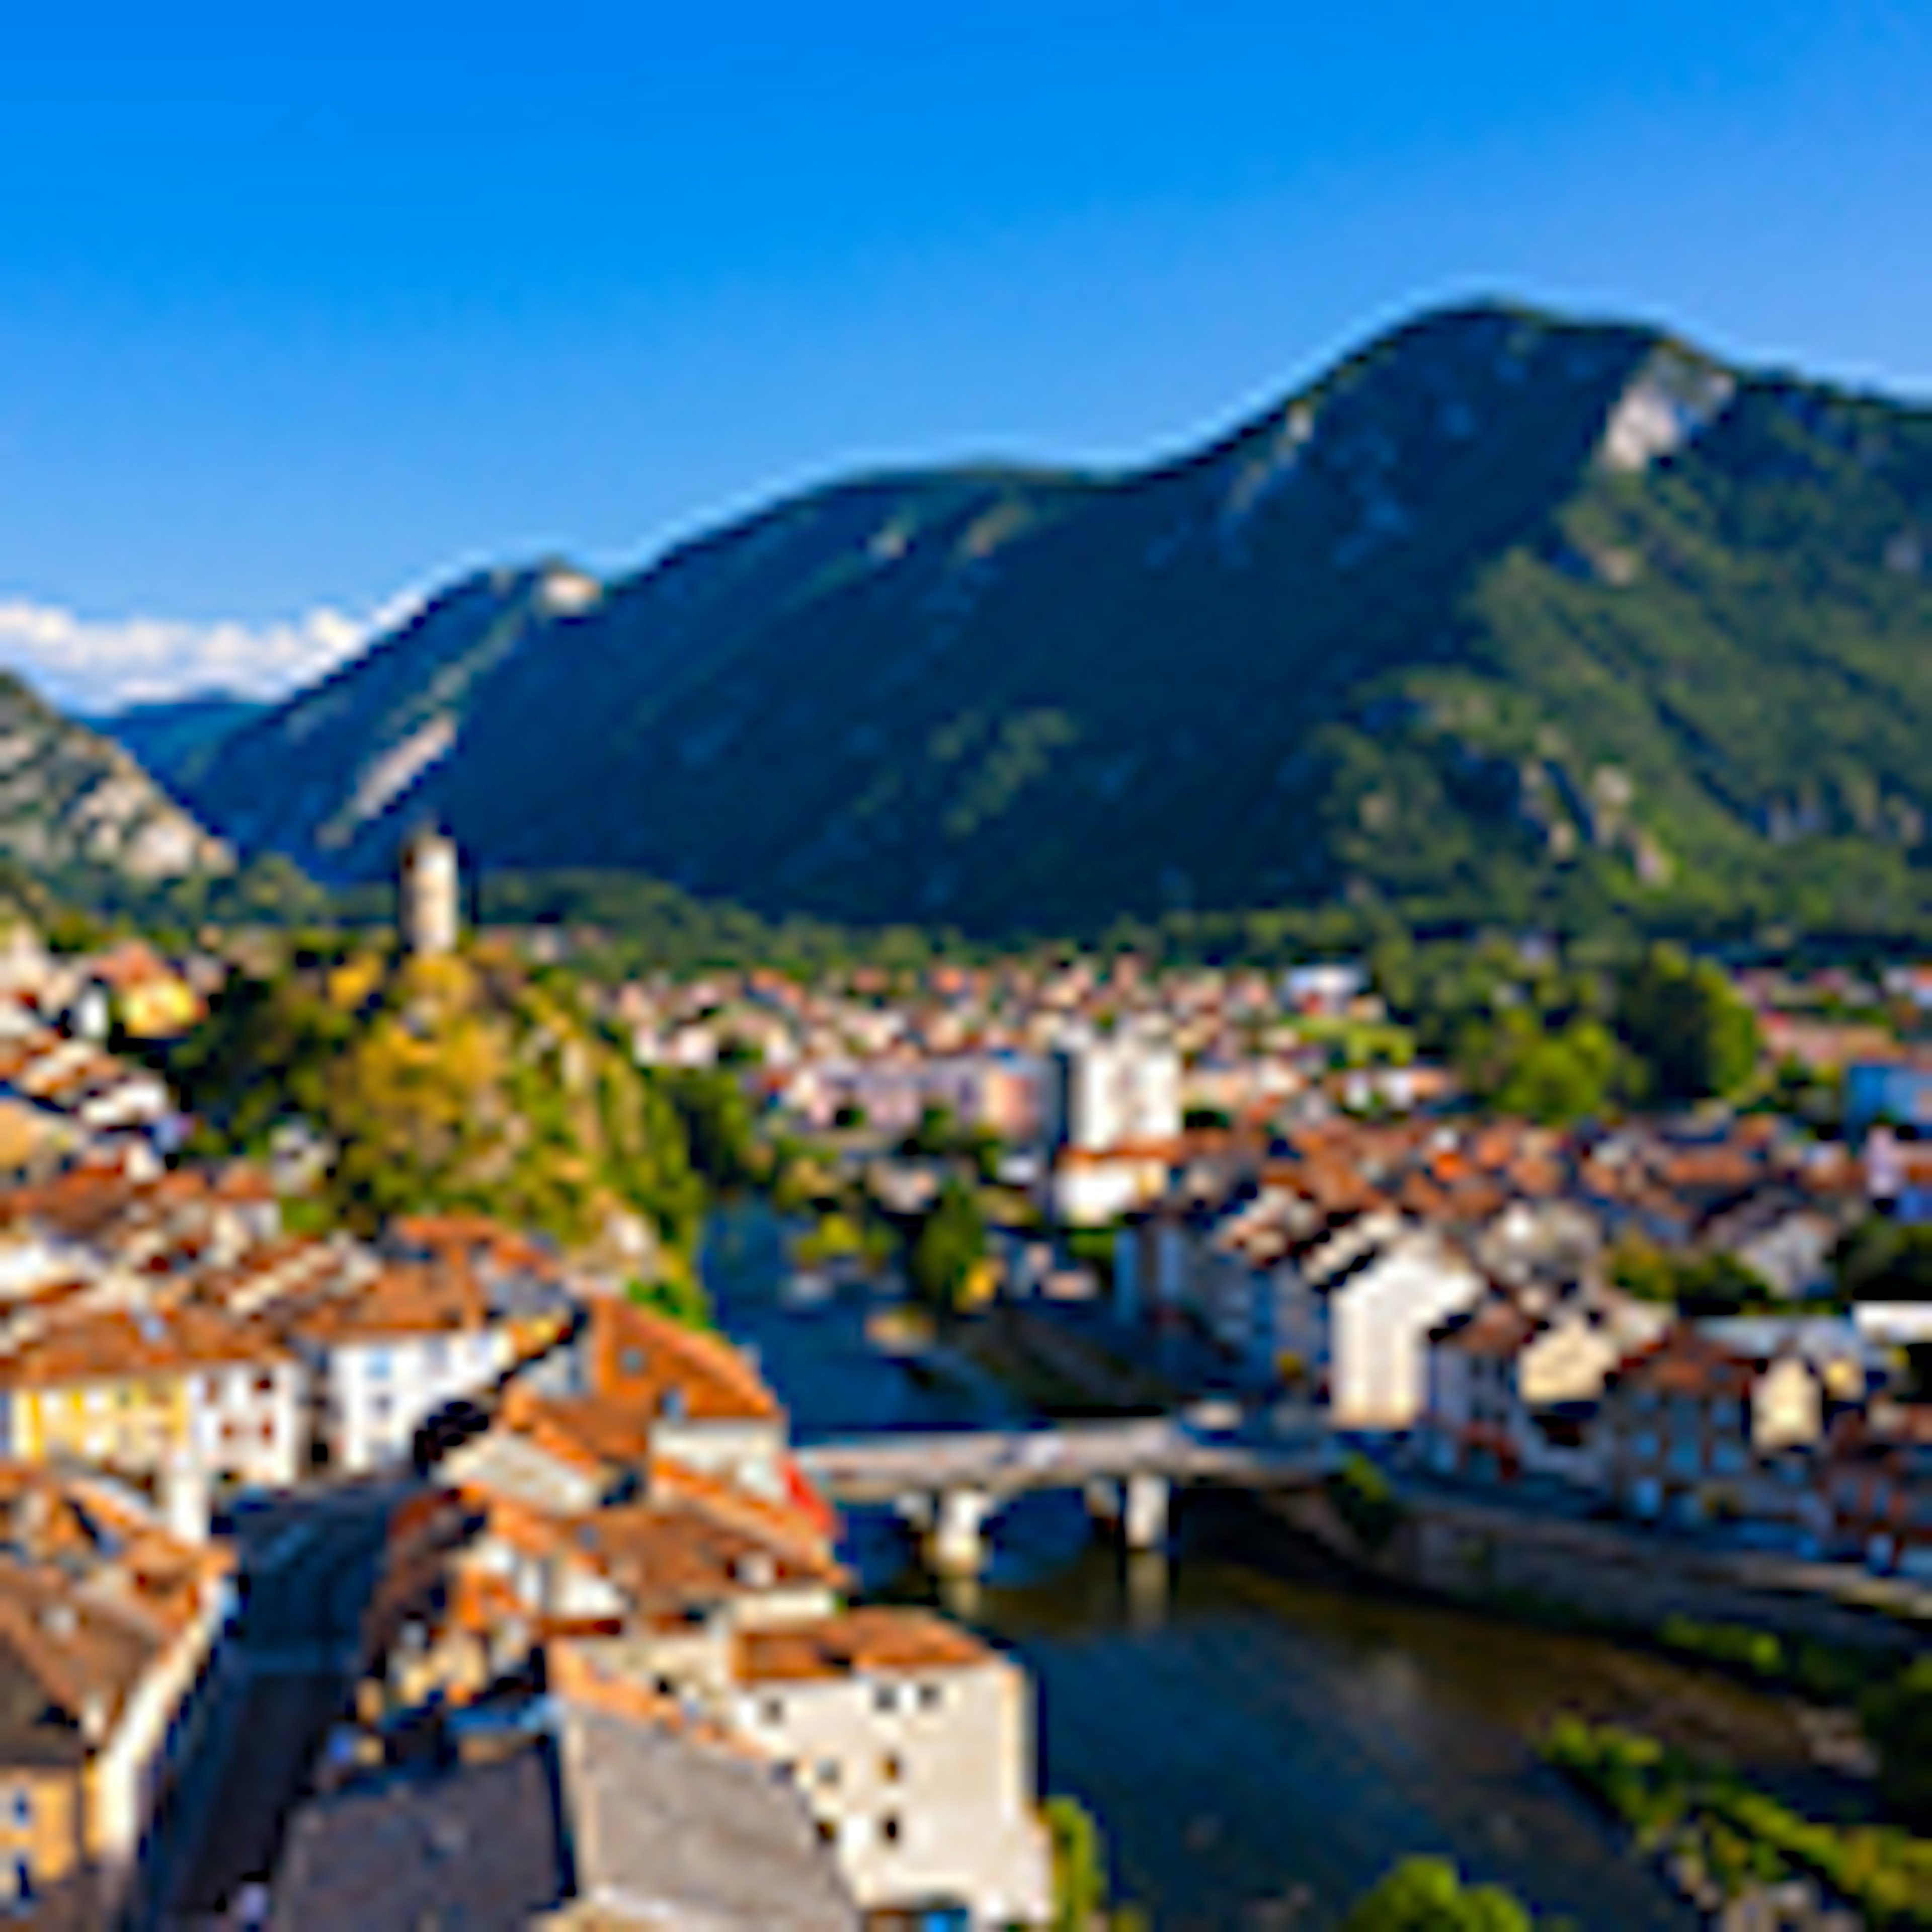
(1366, 1501)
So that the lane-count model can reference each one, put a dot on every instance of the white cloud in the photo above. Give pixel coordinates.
(96, 665)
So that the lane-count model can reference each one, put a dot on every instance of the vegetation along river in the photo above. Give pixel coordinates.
(1259, 1740)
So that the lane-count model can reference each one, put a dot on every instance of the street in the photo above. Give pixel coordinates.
(309, 1565)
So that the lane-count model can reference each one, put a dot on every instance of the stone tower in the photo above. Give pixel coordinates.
(429, 893)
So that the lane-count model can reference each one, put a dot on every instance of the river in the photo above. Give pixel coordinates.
(1259, 1740)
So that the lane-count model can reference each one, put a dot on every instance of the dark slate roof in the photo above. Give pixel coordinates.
(473, 1849)
(679, 1836)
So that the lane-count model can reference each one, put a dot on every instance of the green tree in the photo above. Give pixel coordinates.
(1563, 1076)
(1079, 1865)
(1703, 1286)
(1884, 1260)
(680, 1297)
(718, 1125)
(1428, 1895)
(836, 1235)
(1694, 1035)
(1365, 1499)
(1899, 1720)
(950, 1243)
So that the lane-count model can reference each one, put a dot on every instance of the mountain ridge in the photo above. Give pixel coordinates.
(71, 797)
(1501, 607)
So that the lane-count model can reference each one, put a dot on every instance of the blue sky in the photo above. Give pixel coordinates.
(303, 308)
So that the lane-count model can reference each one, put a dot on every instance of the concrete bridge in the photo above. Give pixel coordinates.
(950, 1485)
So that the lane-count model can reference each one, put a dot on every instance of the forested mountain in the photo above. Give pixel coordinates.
(1504, 614)
(174, 738)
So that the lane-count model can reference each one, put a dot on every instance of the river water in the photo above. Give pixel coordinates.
(1260, 1741)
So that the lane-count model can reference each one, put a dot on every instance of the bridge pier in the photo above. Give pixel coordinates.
(1103, 1499)
(955, 1545)
(1144, 1512)
(1137, 1505)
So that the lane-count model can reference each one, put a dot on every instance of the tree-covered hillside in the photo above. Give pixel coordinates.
(1505, 615)
(468, 1082)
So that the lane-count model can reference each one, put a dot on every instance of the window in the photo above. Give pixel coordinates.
(20, 1809)
(827, 1774)
(886, 1698)
(889, 1829)
(772, 1710)
(891, 1769)
(929, 1696)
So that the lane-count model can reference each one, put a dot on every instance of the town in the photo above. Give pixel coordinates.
(1503, 1301)
(364, 1577)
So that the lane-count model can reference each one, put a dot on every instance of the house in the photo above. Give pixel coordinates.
(1877, 1478)
(909, 1741)
(674, 1827)
(673, 1575)
(1785, 1239)
(1383, 1299)
(1694, 1429)
(703, 1405)
(155, 1391)
(1476, 1422)
(1109, 1091)
(1110, 1114)
(384, 1359)
(108, 1630)
(1514, 1382)
(143, 996)
(1090, 1187)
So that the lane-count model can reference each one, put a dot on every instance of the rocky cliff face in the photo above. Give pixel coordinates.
(1503, 613)
(68, 797)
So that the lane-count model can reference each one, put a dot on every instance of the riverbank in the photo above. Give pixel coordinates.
(1492, 1550)
(1481, 1551)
